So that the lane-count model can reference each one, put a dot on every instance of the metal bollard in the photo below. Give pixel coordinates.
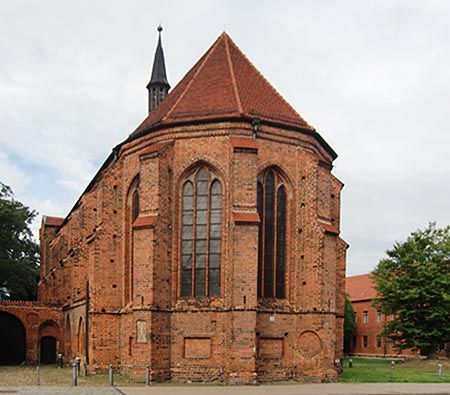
(392, 366)
(59, 360)
(350, 363)
(111, 376)
(147, 375)
(38, 376)
(74, 374)
(78, 363)
(440, 369)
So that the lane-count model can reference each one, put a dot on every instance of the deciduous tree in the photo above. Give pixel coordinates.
(413, 284)
(19, 254)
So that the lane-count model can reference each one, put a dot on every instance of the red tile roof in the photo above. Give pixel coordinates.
(145, 221)
(152, 149)
(245, 217)
(223, 84)
(52, 221)
(360, 287)
(329, 228)
(243, 142)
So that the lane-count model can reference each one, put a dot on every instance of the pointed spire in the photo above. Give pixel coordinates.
(158, 87)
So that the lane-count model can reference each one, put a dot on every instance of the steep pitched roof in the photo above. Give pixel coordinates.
(360, 288)
(223, 84)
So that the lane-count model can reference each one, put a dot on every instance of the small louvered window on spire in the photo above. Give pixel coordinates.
(201, 235)
(272, 207)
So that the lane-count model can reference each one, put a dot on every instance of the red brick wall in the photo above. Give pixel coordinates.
(133, 269)
(372, 329)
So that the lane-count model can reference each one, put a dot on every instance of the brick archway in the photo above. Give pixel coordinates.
(12, 340)
(37, 320)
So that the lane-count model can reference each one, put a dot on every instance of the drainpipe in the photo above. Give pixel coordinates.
(255, 124)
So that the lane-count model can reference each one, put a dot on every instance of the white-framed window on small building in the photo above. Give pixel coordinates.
(378, 341)
(365, 317)
(379, 316)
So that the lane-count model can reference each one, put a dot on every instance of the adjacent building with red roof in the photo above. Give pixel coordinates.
(367, 339)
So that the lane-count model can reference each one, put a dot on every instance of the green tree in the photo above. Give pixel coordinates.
(19, 254)
(413, 284)
(349, 324)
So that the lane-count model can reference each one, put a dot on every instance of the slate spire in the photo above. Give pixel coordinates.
(158, 87)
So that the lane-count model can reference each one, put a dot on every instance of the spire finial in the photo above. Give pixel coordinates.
(159, 28)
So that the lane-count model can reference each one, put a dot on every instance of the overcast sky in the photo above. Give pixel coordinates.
(373, 77)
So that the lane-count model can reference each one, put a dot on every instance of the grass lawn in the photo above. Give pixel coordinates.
(367, 370)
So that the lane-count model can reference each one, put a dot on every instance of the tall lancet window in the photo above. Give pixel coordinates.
(272, 206)
(135, 206)
(201, 235)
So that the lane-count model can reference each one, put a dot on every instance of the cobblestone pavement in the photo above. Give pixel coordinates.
(22, 376)
(296, 389)
(59, 390)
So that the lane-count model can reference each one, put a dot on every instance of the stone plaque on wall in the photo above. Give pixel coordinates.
(141, 331)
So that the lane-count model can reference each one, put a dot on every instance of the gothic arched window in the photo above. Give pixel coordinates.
(272, 206)
(135, 206)
(132, 214)
(201, 234)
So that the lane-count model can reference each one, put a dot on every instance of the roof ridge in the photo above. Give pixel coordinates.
(359, 275)
(268, 83)
(233, 78)
(205, 58)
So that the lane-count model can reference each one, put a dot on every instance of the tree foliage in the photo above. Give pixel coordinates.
(349, 323)
(413, 283)
(19, 254)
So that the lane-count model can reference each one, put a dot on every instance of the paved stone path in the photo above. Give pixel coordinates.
(59, 390)
(295, 389)
(288, 389)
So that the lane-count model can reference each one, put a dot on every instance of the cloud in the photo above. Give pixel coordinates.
(11, 174)
(372, 77)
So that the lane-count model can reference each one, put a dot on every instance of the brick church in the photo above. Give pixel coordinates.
(206, 246)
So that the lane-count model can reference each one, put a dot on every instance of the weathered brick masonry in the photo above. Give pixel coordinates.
(127, 242)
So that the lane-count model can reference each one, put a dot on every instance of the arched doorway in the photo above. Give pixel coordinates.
(49, 338)
(48, 349)
(12, 340)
